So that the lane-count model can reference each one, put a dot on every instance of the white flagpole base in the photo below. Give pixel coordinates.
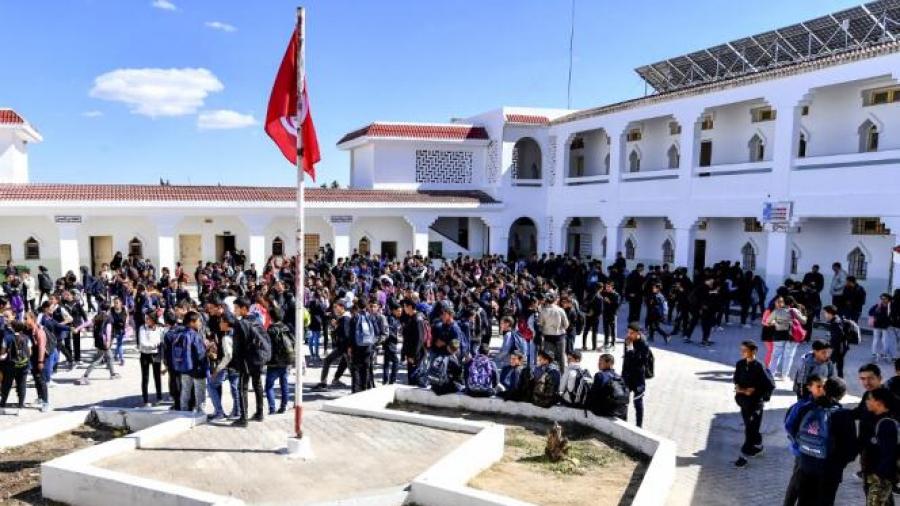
(299, 449)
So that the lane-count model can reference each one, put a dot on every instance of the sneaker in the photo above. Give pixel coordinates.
(83, 381)
(321, 386)
(720, 328)
(215, 417)
(271, 412)
(710, 343)
(147, 405)
(338, 384)
(115, 376)
(740, 462)
(241, 422)
(668, 339)
(45, 407)
(758, 450)
(746, 325)
(257, 417)
(282, 409)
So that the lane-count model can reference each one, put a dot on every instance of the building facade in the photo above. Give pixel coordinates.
(779, 168)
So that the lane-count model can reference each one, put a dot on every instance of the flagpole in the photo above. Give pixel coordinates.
(301, 271)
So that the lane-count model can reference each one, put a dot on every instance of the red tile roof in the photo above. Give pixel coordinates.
(530, 119)
(10, 117)
(418, 131)
(174, 193)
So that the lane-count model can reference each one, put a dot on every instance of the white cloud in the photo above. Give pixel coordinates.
(92, 114)
(218, 25)
(157, 92)
(222, 119)
(165, 5)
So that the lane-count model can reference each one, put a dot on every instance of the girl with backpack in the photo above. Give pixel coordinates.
(15, 355)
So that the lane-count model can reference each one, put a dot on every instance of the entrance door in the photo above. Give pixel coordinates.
(573, 244)
(190, 251)
(5, 253)
(699, 255)
(310, 245)
(224, 243)
(389, 249)
(101, 251)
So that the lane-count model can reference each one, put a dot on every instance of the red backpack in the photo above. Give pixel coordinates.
(524, 330)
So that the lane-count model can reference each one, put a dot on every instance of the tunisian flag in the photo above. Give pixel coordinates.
(283, 113)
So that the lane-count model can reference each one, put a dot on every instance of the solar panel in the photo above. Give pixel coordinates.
(864, 25)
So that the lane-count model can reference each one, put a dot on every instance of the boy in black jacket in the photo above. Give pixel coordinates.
(752, 388)
(515, 379)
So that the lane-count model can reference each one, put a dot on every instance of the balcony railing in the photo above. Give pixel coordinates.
(734, 168)
(848, 159)
(579, 180)
(527, 182)
(645, 175)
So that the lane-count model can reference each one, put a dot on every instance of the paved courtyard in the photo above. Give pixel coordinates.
(689, 401)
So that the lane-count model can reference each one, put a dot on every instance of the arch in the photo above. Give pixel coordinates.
(523, 234)
(668, 252)
(630, 248)
(757, 148)
(748, 256)
(857, 263)
(673, 156)
(527, 159)
(135, 248)
(278, 246)
(869, 133)
(364, 247)
(634, 161)
(32, 249)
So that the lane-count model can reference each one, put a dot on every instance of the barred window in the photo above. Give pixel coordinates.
(135, 248)
(277, 247)
(856, 264)
(668, 252)
(869, 226)
(629, 249)
(752, 225)
(32, 249)
(748, 257)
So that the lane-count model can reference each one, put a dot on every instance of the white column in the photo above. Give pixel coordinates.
(69, 259)
(498, 237)
(340, 226)
(420, 225)
(787, 135)
(688, 151)
(893, 223)
(778, 258)
(613, 237)
(597, 231)
(684, 247)
(166, 228)
(256, 227)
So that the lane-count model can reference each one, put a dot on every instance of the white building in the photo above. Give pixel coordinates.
(805, 117)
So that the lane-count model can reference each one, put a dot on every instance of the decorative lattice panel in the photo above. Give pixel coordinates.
(443, 167)
(551, 158)
(493, 168)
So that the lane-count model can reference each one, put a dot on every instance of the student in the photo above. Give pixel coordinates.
(636, 368)
(572, 378)
(611, 302)
(836, 337)
(362, 346)
(880, 321)
(15, 357)
(546, 379)
(512, 341)
(594, 311)
(781, 319)
(102, 343)
(416, 330)
(515, 379)
(609, 395)
(879, 452)
(192, 372)
(752, 388)
(282, 359)
(391, 345)
(444, 374)
(149, 342)
(220, 368)
(657, 309)
(252, 350)
(817, 362)
(341, 336)
(482, 376)
(553, 324)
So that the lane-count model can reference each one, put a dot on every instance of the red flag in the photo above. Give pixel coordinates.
(283, 113)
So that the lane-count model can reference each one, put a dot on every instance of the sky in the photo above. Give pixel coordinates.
(131, 91)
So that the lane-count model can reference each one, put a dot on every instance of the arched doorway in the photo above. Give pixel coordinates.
(522, 238)
(527, 160)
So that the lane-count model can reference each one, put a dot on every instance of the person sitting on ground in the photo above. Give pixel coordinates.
(817, 362)
(609, 395)
(482, 377)
(572, 379)
(515, 379)
(444, 374)
(545, 386)
(512, 341)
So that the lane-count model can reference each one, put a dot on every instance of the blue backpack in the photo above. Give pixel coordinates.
(813, 435)
(182, 352)
(365, 331)
(482, 371)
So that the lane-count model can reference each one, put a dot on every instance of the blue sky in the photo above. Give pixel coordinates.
(135, 90)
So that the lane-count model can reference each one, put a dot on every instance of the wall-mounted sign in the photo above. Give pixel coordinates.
(777, 212)
(342, 219)
(67, 218)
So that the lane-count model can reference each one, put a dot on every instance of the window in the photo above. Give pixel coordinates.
(277, 247)
(752, 225)
(881, 96)
(629, 249)
(674, 157)
(436, 249)
(801, 149)
(32, 249)
(389, 249)
(794, 260)
(868, 137)
(135, 248)
(705, 153)
(868, 226)
(674, 128)
(761, 114)
(757, 148)
(634, 162)
(856, 264)
(668, 252)
(364, 246)
(577, 143)
(804, 111)
(579, 165)
(633, 135)
(707, 123)
(748, 257)
(310, 245)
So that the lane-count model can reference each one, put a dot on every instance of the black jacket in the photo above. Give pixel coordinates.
(751, 375)
(634, 363)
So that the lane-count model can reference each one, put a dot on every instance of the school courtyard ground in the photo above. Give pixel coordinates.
(689, 401)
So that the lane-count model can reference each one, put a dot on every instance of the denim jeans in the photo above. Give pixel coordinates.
(215, 391)
(119, 338)
(49, 364)
(198, 385)
(277, 374)
(783, 357)
(314, 338)
(888, 342)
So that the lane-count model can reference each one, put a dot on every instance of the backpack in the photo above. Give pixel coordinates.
(544, 394)
(282, 344)
(851, 331)
(609, 399)
(769, 388)
(524, 330)
(578, 397)
(365, 331)
(518, 342)
(813, 435)
(481, 375)
(662, 307)
(437, 374)
(260, 350)
(16, 303)
(649, 365)
(182, 352)
(21, 353)
(875, 439)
